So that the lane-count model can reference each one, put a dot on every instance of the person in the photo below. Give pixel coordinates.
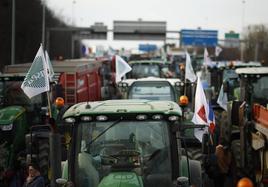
(34, 178)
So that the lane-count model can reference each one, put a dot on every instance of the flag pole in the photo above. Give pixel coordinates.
(48, 96)
(49, 105)
(184, 82)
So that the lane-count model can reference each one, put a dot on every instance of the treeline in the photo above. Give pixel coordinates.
(28, 31)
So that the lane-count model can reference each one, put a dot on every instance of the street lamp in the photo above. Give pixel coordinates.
(43, 23)
(243, 25)
(13, 33)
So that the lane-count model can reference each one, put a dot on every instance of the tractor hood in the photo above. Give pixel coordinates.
(121, 179)
(9, 114)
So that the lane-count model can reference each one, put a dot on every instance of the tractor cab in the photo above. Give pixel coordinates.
(147, 68)
(254, 87)
(11, 94)
(151, 88)
(127, 143)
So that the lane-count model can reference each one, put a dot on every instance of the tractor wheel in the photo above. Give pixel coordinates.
(196, 173)
(195, 153)
(43, 156)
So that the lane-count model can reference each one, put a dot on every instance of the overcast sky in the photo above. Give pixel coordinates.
(221, 15)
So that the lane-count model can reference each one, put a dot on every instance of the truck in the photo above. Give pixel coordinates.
(244, 129)
(127, 143)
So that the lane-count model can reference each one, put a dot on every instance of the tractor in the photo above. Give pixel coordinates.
(15, 111)
(128, 143)
(148, 68)
(243, 131)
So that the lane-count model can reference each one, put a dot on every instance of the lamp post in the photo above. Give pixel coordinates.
(243, 25)
(43, 23)
(73, 12)
(13, 33)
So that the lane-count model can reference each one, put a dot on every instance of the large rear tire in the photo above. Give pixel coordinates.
(43, 157)
(196, 173)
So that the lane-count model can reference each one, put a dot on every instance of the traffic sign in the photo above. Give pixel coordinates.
(147, 47)
(139, 30)
(199, 37)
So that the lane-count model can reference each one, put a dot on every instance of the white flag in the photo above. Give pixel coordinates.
(222, 99)
(36, 80)
(50, 68)
(207, 60)
(218, 50)
(189, 72)
(122, 68)
(201, 110)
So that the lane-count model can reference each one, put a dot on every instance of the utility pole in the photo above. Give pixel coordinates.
(243, 25)
(43, 24)
(13, 33)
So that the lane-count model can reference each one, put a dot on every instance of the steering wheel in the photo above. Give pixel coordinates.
(108, 153)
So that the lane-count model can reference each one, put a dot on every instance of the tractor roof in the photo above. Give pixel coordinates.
(147, 62)
(152, 79)
(252, 70)
(116, 107)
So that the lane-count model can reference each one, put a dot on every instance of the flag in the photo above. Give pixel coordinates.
(121, 68)
(207, 60)
(189, 72)
(222, 99)
(36, 80)
(50, 68)
(201, 110)
(211, 119)
(218, 50)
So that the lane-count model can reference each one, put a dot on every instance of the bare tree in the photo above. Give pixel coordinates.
(256, 43)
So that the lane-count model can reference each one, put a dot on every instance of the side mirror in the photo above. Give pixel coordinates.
(235, 112)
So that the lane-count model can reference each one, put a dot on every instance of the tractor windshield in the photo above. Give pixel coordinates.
(129, 146)
(260, 91)
(150, 90)
(145, 70)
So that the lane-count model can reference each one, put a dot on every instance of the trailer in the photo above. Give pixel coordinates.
(76, 80)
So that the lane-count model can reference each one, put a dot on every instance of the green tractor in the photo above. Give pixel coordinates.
(22, 141)
(13, 128)
(133, 143)
(15, 111)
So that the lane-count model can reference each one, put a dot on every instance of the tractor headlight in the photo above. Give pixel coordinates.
(101, 118)
(141, 117)
(122, 84)
(70, 120)
(173, 118)
(7, 127)
(86, 118)
(157, 117)
(179, 84)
